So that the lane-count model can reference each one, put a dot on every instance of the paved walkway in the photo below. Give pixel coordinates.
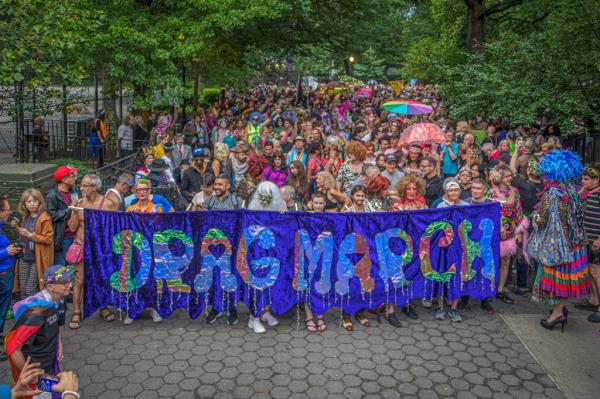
(179, 358)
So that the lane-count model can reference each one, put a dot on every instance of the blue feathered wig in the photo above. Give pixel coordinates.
(561, 166)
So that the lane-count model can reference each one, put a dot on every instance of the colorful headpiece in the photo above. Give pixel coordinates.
(561, 166)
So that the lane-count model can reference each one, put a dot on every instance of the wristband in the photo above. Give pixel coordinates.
(75, 394)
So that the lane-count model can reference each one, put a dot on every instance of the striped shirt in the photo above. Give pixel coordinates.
(591, 216)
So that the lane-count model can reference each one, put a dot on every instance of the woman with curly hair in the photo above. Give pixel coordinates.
(352, 169)
(514, 222)
(277, 171)
(411, 190)
(221, 157)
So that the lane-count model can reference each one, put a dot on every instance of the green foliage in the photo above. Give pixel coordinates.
(368, 65)
(539, 59)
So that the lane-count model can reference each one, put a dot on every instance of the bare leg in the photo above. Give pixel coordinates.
(78, 288)
(454, 304)
(504, 267)
(594, 284)
(557, 311)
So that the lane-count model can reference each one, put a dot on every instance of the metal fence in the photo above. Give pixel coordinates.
(588, 146)
(61, 140)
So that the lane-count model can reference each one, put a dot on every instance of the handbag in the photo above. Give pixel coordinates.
(549, 245)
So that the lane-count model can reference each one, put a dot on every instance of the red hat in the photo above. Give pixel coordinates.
(62, 171)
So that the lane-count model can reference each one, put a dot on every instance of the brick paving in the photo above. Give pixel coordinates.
(179, 358)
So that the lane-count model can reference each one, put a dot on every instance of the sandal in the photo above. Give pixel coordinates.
(321, 326)
(362, 320)
(75, 324)
(505, 298)
(107, 315)
(347, 323)
(310, 325)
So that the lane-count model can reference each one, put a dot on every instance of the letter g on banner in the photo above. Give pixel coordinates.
(265, 240)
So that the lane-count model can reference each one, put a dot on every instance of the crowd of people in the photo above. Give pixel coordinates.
(278, 148)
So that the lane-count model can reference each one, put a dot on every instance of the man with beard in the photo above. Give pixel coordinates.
(191, 181)
(237, 167)
(92, 199)
(223, 200)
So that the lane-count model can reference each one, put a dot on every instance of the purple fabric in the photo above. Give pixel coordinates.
(352, 261)
(276, 176)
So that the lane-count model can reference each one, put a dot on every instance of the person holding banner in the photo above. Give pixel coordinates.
(451, 198)
(144, 205)
(92, 199)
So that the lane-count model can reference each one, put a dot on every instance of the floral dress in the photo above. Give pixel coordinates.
(513, 221)
(409, 205)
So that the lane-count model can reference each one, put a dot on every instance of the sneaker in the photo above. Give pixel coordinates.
(410, 312)
(439, 314)
(487, 306)
(128, 320)
(426, 303)
(255, 325)
(454, 316)
(212, 316)
(393, 320)
(9, 315)
(232, 317)
(155, 316)
(268, 318)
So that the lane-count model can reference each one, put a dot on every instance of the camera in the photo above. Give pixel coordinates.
(19, 244)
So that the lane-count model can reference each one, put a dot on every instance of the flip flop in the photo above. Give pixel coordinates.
(107, 315)
(75, 324)
(310, 325)
(321, 326)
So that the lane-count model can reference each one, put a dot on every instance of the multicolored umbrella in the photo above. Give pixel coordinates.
(422, 133)
(407, 107)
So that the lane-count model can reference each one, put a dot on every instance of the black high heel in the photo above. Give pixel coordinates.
(565, 313)
(562, 320)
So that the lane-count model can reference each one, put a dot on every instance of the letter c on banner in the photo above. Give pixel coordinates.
(265, 240)
(353, 243)
(425, 251)
(123, 244)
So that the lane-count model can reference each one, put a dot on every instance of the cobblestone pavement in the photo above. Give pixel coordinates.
(179, 358)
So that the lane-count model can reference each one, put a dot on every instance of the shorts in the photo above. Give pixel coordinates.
(75, 253)
(593, 256)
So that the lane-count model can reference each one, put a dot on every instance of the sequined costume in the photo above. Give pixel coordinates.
(565, 280)
(513, 222)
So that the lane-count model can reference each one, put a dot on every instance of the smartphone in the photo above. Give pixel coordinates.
(46, 382)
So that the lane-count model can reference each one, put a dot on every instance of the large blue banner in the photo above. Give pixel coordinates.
(347, 260)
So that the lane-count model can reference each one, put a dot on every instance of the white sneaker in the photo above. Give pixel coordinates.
(128, 320)
(155, 316)
(255, 325)
(426, 303)
(268, 318)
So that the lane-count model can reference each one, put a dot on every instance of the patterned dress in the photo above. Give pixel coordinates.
(512, 218)
(568, 280)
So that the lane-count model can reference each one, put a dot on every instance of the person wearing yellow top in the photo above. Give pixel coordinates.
(159, 149)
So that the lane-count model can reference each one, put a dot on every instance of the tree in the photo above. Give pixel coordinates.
(477, 14)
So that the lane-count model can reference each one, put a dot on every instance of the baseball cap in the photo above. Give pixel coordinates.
(58, 274)
(391, 158)
(184, 162)
(63, 171)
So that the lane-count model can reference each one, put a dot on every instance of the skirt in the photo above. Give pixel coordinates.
(568, 280)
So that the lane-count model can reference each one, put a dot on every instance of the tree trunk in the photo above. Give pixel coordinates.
(197, 91)
(475, 24)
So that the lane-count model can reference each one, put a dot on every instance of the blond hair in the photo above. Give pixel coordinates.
(329, 179)
(498, 173)
(36, 195)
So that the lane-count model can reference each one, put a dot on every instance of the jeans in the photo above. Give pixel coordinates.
(6, 287)
(59, 256)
